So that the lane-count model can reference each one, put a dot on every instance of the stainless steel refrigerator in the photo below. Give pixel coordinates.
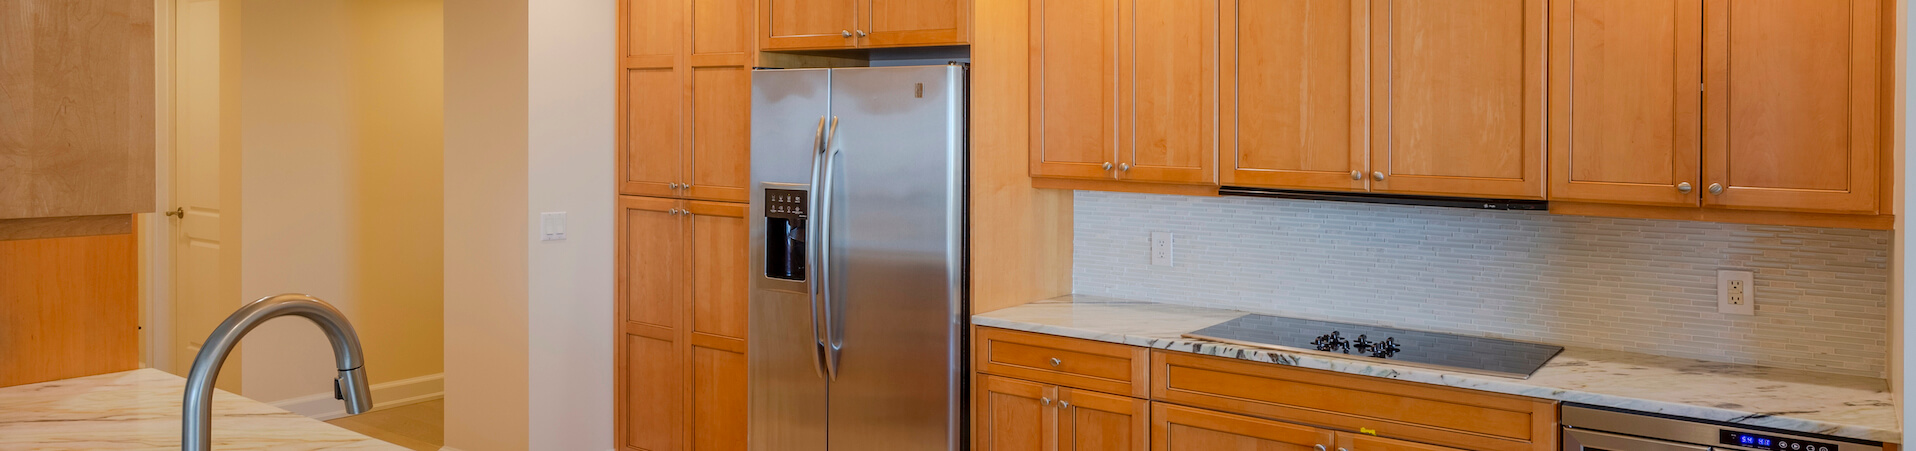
(858, 311)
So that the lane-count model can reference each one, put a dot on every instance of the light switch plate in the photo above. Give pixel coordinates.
(552, 226)
(1735, 292)
(1161, 248)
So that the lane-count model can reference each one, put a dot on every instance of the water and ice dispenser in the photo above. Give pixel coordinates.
(785, 234)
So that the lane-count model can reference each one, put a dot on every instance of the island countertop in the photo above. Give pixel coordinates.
(1795, 400)
(140, 409)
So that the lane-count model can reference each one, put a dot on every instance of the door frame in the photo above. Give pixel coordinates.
(154, 231)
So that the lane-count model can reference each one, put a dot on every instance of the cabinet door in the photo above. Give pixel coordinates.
(1090, 420)
(808, 24)
(1074, 88)
(651, 106)
(899, 23)
(720, 287)
(651, 351)
(1359, 442)
(1292, 94)
(1457, 97)
(1790, 109)
(1177, 428)
(720, 67)
(1167, 91)
(1625, 80)
(1014, 415)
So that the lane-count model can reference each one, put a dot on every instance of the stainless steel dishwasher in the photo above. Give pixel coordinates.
(1593, 428)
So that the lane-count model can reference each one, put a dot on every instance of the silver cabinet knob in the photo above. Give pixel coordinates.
(1320, 447)
(1124, 166)
(1063, 404)
(861, 33)
(1716, 188)
(1357, 175)
(1056, 362)
(845, 33)
(1044, 401)
(673, 185)
(1342, 449)
(1107, 165)
(1683, 187)
(1377, 175)
(685, 186)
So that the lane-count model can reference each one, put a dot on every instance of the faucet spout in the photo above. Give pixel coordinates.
(351, 386)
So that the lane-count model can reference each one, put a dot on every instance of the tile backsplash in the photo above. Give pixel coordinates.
(1635, 285)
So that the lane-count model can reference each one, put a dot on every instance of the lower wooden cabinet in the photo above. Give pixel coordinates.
(682, 303)
(1015, 415)
(1178, 428)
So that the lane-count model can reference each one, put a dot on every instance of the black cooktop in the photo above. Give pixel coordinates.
(1477, 355)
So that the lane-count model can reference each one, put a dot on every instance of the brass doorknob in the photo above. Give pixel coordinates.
(178, 212)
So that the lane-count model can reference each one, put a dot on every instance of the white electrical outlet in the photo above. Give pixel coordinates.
(1735, 293)
(1161, 248)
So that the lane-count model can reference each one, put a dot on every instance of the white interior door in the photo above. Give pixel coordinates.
(199, 304)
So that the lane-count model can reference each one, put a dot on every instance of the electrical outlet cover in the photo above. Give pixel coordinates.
(1735, 292)
(1161, 248)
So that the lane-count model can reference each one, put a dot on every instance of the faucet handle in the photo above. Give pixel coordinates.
(337, 394)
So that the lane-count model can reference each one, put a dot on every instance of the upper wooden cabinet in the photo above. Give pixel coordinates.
(846, 24)
(1626, 77)
(1292, 91)
(1124, 90)
(1457, 91)
(1727, 105)
(686, 99)
(1791, 105)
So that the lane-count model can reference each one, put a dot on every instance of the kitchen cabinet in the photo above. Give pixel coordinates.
(685, 98)
(1764, 112)
(682, 301)
(1360, 442)
(1013, 414)
(848, 24)
(1457, 91)
(1178, 428)
(1124, 90)
(1293, 94)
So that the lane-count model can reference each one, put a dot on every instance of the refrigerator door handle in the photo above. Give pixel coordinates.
(823, 223)
(811, 252)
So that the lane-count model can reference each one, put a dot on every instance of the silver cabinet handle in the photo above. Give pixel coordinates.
(686, 186)
(1107, 165)
(1357, 175)
(861, 33)
(1056, 362)
(674, 186)
(1124, 166)
(1342, 449)
(845, 33)
(1044, 401)
(1716, 188)
(1320, 447)
(1683, 187)
(1063, 404)
(1377, 175)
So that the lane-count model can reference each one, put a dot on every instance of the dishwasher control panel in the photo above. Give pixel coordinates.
(1774, 443)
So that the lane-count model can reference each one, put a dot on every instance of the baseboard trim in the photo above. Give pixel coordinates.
(386, 395)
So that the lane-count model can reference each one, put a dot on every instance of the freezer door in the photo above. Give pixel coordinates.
(786, 385)
(896, 258)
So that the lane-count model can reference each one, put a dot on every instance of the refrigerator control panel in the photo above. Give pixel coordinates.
(785, 234)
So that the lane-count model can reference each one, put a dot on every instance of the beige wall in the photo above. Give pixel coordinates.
(340, 181)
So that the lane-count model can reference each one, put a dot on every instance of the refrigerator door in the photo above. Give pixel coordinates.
(897, 258)
(786, 397)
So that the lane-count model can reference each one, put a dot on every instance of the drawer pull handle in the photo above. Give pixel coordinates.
(1320, 447)
(1056, 362)
(1044, 401)
(1063, 404)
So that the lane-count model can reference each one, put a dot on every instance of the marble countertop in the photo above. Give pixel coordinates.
(140, 409)
(1839, 405)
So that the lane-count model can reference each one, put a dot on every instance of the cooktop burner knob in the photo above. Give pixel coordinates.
(1363, 344)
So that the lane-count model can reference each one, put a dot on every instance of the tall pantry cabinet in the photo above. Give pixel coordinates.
(684, 162)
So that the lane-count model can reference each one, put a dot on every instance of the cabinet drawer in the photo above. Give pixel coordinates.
(1091, 365)
(1420, 412)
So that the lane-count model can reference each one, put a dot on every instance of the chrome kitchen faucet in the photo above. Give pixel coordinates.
(196, 423)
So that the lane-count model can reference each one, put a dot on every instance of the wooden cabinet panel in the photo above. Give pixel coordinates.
(651, 255)
(1178, 428)
(808, 24)
(1457, 92)
(1167, 90)
(897, 23)
(1291, 92)
(1097, 421)
(721, 27)
(718, 400)
(1013, 415)
(650, 160)
(1626, 77)
(1791, 109)
(1074, 88)
(721, 133)
(1108, 367)
(656, 28)
(720, 287)
(1360, 442)
(652, 413)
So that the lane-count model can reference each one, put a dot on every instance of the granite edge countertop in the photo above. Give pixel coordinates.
(1793, 400)
(140, 409)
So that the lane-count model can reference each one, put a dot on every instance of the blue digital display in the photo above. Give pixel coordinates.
(1765, 442)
